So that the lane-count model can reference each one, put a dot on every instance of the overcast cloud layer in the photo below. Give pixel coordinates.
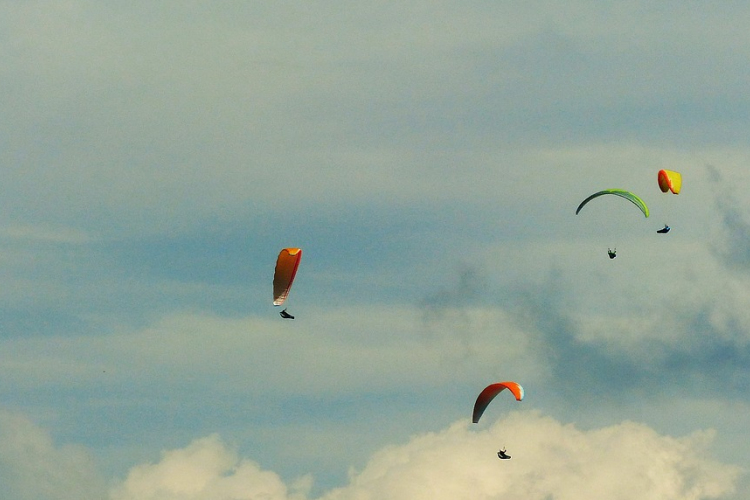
(428, 157)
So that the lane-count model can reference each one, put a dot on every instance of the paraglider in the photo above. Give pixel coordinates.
(635, 200)
(489, 393)
(631, 197)
(669, 181)
(283, 277)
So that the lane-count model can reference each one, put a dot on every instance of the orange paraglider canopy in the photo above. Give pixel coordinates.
(670, 181)
(489, 393)
(283, 277)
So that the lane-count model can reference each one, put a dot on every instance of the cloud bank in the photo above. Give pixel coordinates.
(32, 467)
(551, 460)
(205, 469)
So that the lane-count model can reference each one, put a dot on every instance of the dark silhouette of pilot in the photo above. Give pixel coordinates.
(285, 314)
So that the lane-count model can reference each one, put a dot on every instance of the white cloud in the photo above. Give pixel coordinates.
(205, 470)
(550, 460)
(253, 355)
(32, 467)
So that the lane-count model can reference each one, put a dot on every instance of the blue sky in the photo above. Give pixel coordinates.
(428, 157)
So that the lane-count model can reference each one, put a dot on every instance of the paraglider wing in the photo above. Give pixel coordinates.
(283, 277)
(670, 181)
(617, 192)
(489, 393)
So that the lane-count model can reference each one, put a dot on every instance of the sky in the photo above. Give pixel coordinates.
(428, 157)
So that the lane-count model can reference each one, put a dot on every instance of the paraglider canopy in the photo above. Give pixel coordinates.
(489, 393)
(635, 200)
(670, 181)
(283, 277)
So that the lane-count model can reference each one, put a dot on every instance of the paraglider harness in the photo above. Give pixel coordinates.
(612, 253)
(664, 230)
(502, 455)
(285, 314)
